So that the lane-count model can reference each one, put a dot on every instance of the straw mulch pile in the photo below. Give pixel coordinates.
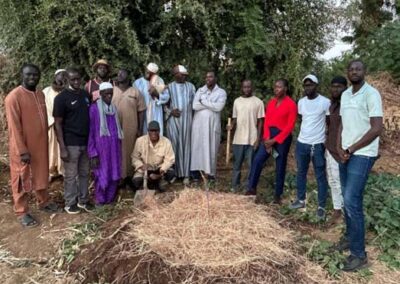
(231, 240)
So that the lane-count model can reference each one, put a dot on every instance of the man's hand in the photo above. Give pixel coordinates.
(26, 158)
(343, 155)
(269, 143)
(256, 144)
(229, 127)
(176, 112)
(153, 92)
(94, 163)
(64, 155)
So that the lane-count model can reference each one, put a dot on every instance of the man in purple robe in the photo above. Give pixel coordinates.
(104, 147)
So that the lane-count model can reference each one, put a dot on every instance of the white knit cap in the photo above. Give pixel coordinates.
(105, 86)
(152, 67)
(59, 71)
(182, 70)
(311, 77)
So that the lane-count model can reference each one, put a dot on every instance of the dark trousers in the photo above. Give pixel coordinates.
(261, 156)
(153, 184)
(240, 153)
(353, 178)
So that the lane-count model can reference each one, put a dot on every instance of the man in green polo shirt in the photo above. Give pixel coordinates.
(361, 121)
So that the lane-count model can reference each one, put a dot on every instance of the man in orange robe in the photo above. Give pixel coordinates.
(28, 145)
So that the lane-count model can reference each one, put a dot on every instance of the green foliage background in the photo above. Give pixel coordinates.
(261, 40)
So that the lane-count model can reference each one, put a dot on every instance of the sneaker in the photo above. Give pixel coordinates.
(74, 209)
(87, 207)
(298, 204)
(321, 214)
(172, 180)
(342, 245)
(354, 263)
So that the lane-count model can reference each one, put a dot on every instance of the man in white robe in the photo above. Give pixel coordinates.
(206, 127)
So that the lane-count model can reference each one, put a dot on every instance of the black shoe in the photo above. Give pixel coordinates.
(73, 209)
(51, 207)
(354, 263)
(86, 207)
(342, 245)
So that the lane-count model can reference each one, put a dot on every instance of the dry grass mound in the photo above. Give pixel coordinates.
(221, 239)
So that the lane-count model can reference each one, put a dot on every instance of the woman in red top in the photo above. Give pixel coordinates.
(280, 118)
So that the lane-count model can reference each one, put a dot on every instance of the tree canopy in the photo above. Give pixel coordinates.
(260, 40)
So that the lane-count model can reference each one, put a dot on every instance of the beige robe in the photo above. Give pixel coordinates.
(128, 104)
(27, 131)
(55, 163)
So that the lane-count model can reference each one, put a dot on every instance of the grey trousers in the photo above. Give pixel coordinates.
(76, 176)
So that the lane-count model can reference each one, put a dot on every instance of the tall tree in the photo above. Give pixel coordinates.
(258, 39)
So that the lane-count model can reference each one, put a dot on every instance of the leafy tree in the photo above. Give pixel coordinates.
(257, 39)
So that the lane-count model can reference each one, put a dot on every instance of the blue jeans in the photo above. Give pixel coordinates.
(353, 177)
(315, 153)
(261, 156)
(240, 152)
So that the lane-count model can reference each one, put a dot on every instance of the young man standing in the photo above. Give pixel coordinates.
(313, 110)
(338, 86)
(206, 131)
(361, 116)
(27, 133)
(248, 114)
(71, 114)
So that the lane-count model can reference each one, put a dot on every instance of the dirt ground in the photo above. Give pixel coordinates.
(32, 255)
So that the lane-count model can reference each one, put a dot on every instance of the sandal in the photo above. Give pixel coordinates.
(28, 221)
(51, 207)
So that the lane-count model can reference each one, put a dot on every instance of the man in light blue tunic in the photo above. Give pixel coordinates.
(179, 115)
(153, 98)
(206, 128)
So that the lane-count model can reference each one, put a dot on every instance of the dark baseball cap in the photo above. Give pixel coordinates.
(153, 125)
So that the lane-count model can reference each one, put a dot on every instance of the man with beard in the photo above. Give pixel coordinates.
(103, 71)
(206, 131)
(361, 124)
(179, 121)
(131, 109)
(27, 133)
(154, 98)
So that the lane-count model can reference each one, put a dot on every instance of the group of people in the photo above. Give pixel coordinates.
(127, 132)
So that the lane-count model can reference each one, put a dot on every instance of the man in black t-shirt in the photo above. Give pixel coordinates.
(71, 113)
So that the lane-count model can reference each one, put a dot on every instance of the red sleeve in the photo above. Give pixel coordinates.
(266, 133)
(290, 123)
